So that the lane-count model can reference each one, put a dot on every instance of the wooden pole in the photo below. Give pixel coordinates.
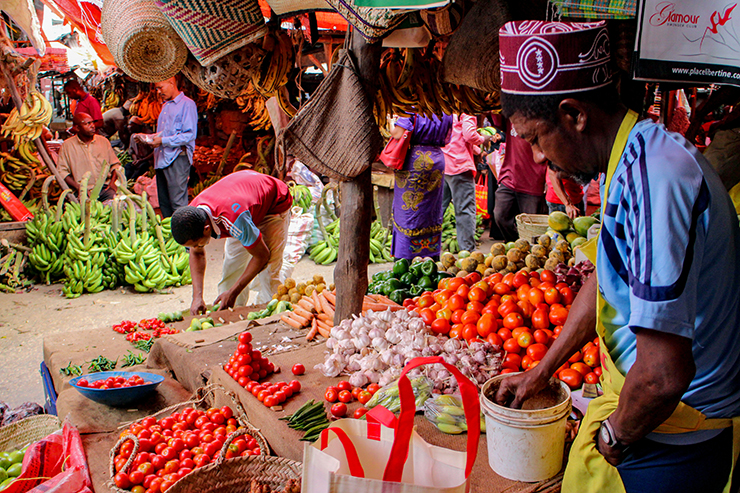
(225, 155)
(350, 273)
(38, 142)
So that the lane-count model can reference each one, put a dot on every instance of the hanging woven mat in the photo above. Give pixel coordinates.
(238, 473)
(21, 433)
(335, 133)
(477, 39)
(203, 398)
(142, 42)
(230, 75)
(212, 29)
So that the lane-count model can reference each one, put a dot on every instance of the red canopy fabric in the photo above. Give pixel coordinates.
(85, 17)
(325, 20)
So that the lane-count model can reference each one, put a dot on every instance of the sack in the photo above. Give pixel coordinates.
(366, 456)
(335, 133)
(372, 23)
(481, 195)
(299, 234)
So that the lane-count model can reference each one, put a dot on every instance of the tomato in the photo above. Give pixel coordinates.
(455, 283)
(427, 315)
(122, 481)
(262, 395)
(525, 339)
(339, 410)
(541, 336)
(457, 316)
(364, 396)
(270, 401)
(494, 339)
(511, 346)
(442, 296)
(598, 371)
(526, 362)
(558, 314)
(486, 325)
(469, 332)
(548, 276)
(146, 468)
(477, 294)
(501, 288)
(470, 317)
(463, 290)
(487, 288)
(344, 385)
(513, 361)
(513, 320)
(504, 333)
(497, 277)
(345, 396)
(201, 460)
(507, 307)
(372, 388)
(441, 326)
(581, 368)
(591, 377)
(158, 461)
(522, 293)
(540, 320)
(577, 356)
(456, 302)
(552, 296)
(444, 313)
(136, 477)
(537, 351)
(591, 356)
(168, 453)
(571, 377)
(455, 331)
(360, 412)
(568, 295)
(245, 337)
(356, 391)
(472, 278)
(295, 386)
(331, 395)
(425, 300)
(509, 370)
(298, 369)
(508, 279)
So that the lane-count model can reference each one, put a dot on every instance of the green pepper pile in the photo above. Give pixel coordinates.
(406, 279)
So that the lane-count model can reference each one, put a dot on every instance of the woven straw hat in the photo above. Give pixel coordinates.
(141, 40)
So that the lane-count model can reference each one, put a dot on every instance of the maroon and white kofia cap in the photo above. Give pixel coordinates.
(539, 57)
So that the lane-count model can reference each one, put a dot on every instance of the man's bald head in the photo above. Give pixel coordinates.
(168, 88)
(84, 126)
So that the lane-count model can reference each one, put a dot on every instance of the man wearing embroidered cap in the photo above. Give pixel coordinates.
(665, 305)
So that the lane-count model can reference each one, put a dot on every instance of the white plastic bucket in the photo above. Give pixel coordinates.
(526, 445)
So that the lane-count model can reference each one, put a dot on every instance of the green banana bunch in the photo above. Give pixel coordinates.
(449, 230)
(301, 196)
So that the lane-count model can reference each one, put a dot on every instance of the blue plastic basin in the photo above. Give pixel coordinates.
(118, 396)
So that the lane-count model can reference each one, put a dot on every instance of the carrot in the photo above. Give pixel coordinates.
(314, 329)
(302, 320)
(323, 325)
(316, 302)
(386, 300)
(325, 318)
(326, 306)
(380, 307)
(330, 297)
(324, 332)
(306, 304)
(293, 323)
(303, 313)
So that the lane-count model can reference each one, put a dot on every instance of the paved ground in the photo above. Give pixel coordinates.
(26, 317)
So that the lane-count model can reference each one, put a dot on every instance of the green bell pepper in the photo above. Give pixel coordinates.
(399, 295)
(429, 267)
(382, 276)
(400, 267)
(408, 279)
(427, 283)
(416, 290)
(391, 285)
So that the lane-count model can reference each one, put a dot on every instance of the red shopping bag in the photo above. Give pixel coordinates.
(372, 456)
(481, 195)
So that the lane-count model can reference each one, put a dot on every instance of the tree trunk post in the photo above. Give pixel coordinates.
(350, 273)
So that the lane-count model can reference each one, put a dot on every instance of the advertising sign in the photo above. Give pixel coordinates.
(688, 41)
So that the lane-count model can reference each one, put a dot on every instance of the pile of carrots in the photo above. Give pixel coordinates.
(316, 312)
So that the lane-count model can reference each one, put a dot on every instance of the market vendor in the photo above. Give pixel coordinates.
(252, 211)
(87, 151)
(665, 303)
(85, 102)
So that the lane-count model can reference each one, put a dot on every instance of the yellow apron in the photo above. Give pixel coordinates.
(587, 470)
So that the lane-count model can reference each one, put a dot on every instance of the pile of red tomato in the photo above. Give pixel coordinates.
(521, 312)
(342, 394)
(175, 445)
(112, 382)
(130, 327)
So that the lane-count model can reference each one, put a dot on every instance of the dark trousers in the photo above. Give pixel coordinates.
(494, 233)
(509, 203)
(172, 185)
(651, 467)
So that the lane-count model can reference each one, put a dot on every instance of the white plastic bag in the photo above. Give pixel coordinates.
(299, 233)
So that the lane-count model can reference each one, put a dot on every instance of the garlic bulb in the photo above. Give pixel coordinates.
(358, 379)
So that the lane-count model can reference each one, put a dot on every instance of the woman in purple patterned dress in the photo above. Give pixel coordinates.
(417, 194)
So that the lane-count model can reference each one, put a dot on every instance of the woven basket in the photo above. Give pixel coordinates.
(237, 474)
(335, 133)
(228, 77)
(443, 21)
(477, 39)
(212, 29)
(141, 40)
(203, 398)
(19, 434)
(531, 225)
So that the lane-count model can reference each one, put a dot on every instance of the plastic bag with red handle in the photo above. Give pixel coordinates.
(54, 464)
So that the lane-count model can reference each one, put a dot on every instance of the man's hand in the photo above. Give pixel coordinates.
(516, 389)
(156, 141)
(198, 306)
(613, 456)
(227, 299)
(572, 211)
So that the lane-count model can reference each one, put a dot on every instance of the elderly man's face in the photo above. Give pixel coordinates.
(167, 89)
(560, 144)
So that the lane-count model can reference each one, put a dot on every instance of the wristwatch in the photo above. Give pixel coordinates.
(606, 431)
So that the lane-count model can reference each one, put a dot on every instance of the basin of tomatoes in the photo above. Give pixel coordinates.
(522, 312)
(171, 447)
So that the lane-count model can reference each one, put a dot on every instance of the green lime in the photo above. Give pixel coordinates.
(3, 474)
(5, 461)
(15, 470)
(6, 483)
(16, 457)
